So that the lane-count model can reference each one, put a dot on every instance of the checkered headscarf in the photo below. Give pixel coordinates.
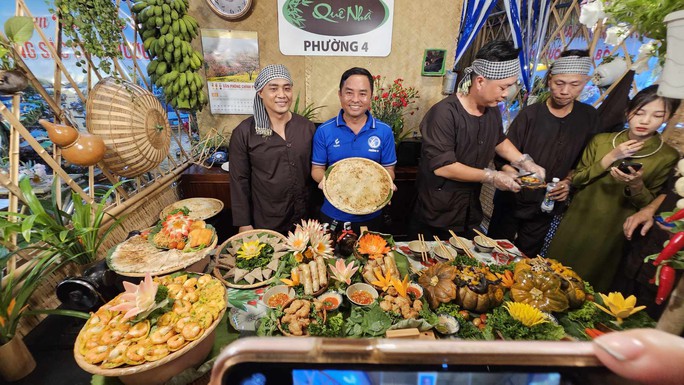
(262, 123)
(571, 65)
(493, 70)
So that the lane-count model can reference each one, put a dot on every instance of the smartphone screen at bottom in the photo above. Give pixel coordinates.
(314, 374)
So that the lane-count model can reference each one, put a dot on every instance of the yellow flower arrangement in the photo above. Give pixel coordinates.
(250, 250)
(619, 306)
(528, 315)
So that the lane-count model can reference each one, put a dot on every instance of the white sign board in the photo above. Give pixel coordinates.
(335, 27)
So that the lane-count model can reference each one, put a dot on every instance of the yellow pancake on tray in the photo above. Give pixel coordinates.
(200, 208)
(358, 186)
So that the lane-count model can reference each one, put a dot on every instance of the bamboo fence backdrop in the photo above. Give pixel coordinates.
(141, 204)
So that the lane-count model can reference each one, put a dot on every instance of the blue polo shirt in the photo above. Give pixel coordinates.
(334, 141)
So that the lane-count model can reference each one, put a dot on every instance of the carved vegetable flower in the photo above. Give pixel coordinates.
(528, 315)
(321, 245)
(384, 281)
(177, 225)
(137, 298)
(291, 282)
(298, 241)
(342, 272)
(374, 246)
(506, 278)
(250, 250)
(401, 286)
(619, 306)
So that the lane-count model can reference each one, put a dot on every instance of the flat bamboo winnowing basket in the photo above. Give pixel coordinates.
(133, 124)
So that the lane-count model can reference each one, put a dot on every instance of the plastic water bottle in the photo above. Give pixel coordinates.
(547, 203)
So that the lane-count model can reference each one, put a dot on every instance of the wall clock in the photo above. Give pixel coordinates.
(230, 9)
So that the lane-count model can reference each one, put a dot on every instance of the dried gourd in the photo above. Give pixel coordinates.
(539, 289)
(438, 284)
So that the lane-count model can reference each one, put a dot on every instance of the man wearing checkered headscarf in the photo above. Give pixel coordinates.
(270, 158)
(554, 132)
(461, 136)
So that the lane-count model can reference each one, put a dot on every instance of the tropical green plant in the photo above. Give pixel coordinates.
(76, 235)
(643, 16)
(18, 30)
(309, 111)
(18, 287)
(93, 26)
(391, 104)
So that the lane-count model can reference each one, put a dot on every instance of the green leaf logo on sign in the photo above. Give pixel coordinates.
(336, 17)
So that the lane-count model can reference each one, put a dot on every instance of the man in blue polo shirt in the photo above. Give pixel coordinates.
(354, 132)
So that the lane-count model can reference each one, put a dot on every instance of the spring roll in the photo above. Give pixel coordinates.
(306, 279)
(314, 276)
(322, 273)
(368, 273)
(391, 266)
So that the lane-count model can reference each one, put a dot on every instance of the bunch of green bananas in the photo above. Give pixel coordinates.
(167, 30)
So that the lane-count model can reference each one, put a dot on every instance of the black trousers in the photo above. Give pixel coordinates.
(527, 234)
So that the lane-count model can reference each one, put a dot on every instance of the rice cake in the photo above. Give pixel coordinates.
(358, 186)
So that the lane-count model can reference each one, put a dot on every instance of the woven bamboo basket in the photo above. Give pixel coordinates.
(133, 124)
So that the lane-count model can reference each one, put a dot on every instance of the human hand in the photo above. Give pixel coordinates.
(321, 184)
(626, 149)
(643, 217)
(242, 229)
(561, 192)
(649, 356)
(526, 163)
(501, 180)
(634, 179)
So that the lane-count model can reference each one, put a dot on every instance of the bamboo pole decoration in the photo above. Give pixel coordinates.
(42, 153)
(54, 54)
(672, 319)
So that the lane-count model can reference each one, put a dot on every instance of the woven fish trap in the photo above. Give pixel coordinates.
(133, 124)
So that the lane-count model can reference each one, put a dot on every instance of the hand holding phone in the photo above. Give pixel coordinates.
(625, 165)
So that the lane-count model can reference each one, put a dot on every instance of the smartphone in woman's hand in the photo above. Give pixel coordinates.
(625, 165)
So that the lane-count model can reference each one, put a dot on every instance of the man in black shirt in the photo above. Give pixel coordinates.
(554, 133)
(461, 135)
(270, 158)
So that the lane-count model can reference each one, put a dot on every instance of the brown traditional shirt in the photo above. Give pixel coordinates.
(450, 135)
(270, 177)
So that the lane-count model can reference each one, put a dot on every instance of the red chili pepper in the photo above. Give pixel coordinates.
(667, 278)
(676, 216)
(676, 244)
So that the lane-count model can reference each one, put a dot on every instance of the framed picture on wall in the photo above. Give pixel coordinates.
(434, 62)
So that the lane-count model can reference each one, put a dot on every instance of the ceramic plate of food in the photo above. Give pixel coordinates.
(172, 245)
(250, 259)
(358, 186)
(198, 208)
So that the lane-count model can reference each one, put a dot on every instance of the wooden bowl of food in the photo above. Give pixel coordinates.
(142, 353)
(299, 313)
(362, 294)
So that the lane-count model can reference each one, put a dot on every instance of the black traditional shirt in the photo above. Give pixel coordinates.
(450, 135)
(270, 177)
(554, 143)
